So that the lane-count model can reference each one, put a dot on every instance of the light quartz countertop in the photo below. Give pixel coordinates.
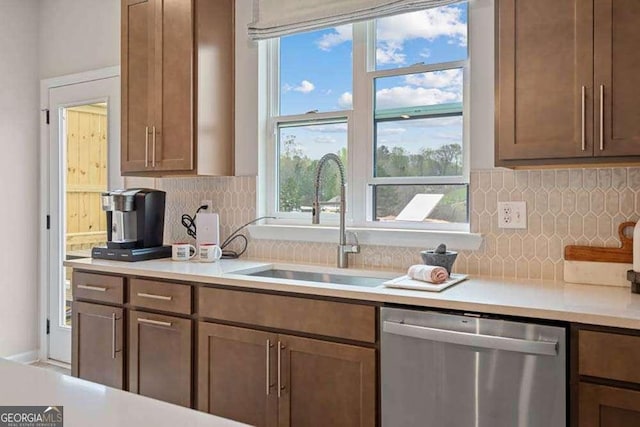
(90, 404)
(590, 304)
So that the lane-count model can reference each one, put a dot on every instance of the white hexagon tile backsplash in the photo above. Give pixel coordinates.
(564, 207)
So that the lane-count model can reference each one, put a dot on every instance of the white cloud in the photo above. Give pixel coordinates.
(325, 139)
(439, 79)
(332, 128)
(402, 96)
(425, 53)
(305, 86)
(346, 101)
(339, 35)
(430, 24)
(426, 24)
(390, 53)
(391, 131)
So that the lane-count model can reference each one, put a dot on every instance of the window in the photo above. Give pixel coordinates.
(388, 97)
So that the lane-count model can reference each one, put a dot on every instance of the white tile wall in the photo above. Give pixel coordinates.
(564, 206)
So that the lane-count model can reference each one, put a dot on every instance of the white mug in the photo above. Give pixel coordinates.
(182, 251)
(209, 252)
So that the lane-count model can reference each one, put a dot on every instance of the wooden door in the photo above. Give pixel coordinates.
(173, 142)
(544, 60)
(326, 384)
(97, 344)
(139, 84)
(617, 77)
(237, 374)
(160, 357)
(602, 406)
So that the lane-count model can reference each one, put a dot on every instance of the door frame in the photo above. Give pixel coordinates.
(43, 208)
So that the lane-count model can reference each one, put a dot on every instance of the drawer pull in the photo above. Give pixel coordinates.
(113, 335)
(281, 387)
(154, 322)
(584, 118)
(93, 288)
(601, 117)
(152, 296)
(268, 366)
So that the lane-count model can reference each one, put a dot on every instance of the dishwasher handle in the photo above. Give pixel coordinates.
(545, 348)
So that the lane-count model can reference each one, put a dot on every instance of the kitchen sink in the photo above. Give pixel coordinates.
(309, 276)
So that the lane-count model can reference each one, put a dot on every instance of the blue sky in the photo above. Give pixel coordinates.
(316, 74)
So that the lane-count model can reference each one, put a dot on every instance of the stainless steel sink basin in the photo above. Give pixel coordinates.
(307, 276)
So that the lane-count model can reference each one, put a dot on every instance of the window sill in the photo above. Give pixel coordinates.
(456, 240)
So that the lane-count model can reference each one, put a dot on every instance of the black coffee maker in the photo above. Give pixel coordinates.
(135, 225)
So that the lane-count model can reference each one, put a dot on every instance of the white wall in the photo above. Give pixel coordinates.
(78, 35)
(19, 133)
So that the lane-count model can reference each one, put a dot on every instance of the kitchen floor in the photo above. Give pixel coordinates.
(51, 367)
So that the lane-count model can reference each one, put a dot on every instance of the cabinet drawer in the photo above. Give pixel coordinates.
(335, 319)
(607, 355)
(98, 287)
(163, 296)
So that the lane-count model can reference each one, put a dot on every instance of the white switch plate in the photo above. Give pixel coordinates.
(512, 214)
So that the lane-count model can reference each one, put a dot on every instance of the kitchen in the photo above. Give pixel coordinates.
(512, 271)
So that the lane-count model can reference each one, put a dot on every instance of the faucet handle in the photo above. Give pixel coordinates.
(355, 248)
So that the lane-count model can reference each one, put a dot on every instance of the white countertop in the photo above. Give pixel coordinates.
(598, 305)
(90, 404)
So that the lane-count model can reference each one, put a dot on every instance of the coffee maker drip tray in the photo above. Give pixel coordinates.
(131, 255)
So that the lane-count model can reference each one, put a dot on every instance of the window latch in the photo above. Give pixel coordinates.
(311, 112)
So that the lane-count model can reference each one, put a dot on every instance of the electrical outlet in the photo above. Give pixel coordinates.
(512, 214)
(208, 203)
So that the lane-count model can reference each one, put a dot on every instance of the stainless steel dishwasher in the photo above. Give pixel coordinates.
(450, 370)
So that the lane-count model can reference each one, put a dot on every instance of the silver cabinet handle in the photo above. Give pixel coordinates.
(113, 335)
(93, 288)
(154, 322)
(280, 387)
(153, 148)
(545, 348)
(146, 146)
(601, 117)
(584, 117)
(152, 296)
(268, 366)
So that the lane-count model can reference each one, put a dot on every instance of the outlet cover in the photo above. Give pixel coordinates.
(512, 214)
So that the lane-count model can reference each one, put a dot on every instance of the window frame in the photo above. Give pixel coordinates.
(360, 137)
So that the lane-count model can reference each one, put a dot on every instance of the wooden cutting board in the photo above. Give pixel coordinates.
(623, 254)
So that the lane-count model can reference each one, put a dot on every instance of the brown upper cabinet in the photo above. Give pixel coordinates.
(177, 87)
(566, 82)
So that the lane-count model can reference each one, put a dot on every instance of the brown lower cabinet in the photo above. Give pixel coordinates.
(160, 357)
(608, 385)
(97, 344)
(268, 379)
(604, 406)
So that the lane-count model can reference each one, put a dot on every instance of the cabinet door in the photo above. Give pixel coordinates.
(160, 357)
(617, 77)
(97, 337)
(544, 60)
(172, 143)
(138, 84)
(602, 406)
(326, 384)
(237, 374)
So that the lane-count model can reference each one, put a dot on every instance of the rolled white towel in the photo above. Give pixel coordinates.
(428, 273)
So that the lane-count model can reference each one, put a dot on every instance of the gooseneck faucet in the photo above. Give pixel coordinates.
(344, 249)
